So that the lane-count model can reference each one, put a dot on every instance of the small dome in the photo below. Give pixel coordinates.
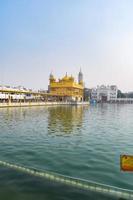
(71, 78)
(51, 77)
(65, 78)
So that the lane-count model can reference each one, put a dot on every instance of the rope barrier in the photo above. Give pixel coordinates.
(74, 182)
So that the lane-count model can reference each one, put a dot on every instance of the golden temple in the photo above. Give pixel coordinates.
(66, 88)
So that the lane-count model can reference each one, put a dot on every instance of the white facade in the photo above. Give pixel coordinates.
(7, 92)
(12, 96)
(104, 93)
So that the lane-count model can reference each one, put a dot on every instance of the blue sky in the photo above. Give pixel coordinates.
(37, 36)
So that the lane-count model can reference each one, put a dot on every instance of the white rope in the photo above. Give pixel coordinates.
(77, 183)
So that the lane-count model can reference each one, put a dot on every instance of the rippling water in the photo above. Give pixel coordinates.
(83, 142)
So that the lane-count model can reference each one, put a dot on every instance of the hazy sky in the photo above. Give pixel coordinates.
(37, 36)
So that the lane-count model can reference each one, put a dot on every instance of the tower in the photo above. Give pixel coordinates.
(80, 77)
(51, 77)
(51, 80)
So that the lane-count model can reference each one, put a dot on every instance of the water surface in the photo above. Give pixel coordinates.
(84, 142)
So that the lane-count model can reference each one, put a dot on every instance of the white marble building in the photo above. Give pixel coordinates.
(104, 93)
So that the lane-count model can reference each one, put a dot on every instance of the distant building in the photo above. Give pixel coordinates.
(66, 89)
(104, 93)
(87, 94)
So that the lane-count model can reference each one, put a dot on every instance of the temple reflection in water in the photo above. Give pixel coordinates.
(65, 119)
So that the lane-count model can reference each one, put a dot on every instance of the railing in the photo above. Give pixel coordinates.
(122, 100)
(73, 182)
(41, 103)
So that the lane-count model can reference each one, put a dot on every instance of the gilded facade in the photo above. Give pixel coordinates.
(66, 88)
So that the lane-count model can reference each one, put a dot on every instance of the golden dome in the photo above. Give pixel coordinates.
(66, 78)
(71, 78)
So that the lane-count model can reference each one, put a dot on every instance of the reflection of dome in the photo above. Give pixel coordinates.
(65, 120)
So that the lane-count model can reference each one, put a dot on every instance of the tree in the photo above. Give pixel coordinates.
(120, 94)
